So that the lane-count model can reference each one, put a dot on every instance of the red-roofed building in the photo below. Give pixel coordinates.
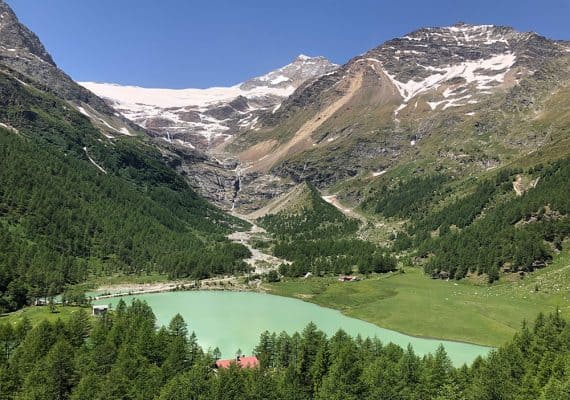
(243, 362)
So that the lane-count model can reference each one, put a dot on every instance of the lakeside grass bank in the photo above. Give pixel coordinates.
(416, 305)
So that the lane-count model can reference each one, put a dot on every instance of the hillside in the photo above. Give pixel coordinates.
(318, 238)
(303, 212)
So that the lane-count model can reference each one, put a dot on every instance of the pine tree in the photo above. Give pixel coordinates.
(78, 327)
(190, 385)
(54, 377)
(178, 327)
(265, 349)
(343, 380)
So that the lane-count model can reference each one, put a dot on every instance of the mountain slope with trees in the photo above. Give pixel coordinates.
(320, 239)
(74, 203)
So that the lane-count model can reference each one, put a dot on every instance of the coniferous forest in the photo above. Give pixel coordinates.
(122, 355)
(322, 240)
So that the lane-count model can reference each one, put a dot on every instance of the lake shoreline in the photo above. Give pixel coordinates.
(308, 300)
(134, 289)
(235, 319)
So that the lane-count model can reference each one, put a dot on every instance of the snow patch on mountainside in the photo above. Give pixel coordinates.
(8, 127)
(93, 117)
(100, 168)
(485, 74)
(482, 74)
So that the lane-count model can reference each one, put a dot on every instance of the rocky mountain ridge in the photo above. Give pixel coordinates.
(375, 111)
(22, 51)
(450, 64)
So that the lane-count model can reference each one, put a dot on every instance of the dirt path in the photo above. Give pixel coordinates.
(128, 289)
(369, 227)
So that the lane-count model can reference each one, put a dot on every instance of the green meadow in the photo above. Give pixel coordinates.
(37, 314)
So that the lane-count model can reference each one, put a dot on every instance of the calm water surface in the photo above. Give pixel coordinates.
(234, 320)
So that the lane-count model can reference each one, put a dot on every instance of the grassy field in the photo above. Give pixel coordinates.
(37, 314)
(417, 305)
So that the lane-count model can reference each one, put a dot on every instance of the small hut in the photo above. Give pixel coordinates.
(100, 310)
(443, 275)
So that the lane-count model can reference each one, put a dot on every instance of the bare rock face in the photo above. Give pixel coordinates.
(205, 118)
(21, 50)
(17, 38)
(223, 181)
(186, 116)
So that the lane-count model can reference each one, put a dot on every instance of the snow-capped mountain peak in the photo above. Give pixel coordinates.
(302, 68)
(206, 117)
(456, 65)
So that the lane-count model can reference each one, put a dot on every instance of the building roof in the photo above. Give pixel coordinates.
(243, 362)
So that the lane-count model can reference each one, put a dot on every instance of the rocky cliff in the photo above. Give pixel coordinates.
(22, 51)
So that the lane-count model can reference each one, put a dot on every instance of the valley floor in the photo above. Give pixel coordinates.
(408, 302)
(454, 310)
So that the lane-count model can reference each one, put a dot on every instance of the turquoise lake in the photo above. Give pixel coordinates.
(234, 320)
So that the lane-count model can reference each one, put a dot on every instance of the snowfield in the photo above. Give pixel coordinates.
(135, 98)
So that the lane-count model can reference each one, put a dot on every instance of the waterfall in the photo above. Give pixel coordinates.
(237, 186)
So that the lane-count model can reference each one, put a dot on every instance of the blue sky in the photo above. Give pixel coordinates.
(187, 43)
